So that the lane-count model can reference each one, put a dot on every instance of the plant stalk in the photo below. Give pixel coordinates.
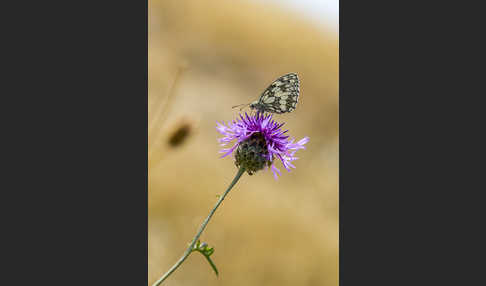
(201, 229)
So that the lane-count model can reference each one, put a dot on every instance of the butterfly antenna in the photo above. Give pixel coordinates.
(242, 106)
(237, 105)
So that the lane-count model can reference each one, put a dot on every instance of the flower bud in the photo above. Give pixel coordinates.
(252, 153)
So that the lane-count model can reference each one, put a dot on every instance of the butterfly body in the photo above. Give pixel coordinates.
(280, 97)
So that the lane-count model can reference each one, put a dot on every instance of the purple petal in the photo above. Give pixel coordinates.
(275, 171)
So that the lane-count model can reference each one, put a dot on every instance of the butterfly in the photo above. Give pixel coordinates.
(280, 97)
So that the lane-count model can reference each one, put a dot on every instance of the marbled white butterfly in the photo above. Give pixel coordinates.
(280, 97)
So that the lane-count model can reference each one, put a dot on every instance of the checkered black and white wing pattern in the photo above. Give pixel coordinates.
(282, 95)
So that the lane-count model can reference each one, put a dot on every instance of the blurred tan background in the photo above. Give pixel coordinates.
(204, 57)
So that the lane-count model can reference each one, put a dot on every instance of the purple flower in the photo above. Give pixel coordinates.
(259, 140)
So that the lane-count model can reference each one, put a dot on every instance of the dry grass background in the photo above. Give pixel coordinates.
(210, 55)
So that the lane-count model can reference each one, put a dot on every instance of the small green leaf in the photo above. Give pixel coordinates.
(212, 265)
(206, 252)
(209, 251)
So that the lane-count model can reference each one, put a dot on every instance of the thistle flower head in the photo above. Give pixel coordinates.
(259, 141)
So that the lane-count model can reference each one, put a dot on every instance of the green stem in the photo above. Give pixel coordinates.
(201, 229)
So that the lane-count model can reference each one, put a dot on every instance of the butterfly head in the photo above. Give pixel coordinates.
(255, 105)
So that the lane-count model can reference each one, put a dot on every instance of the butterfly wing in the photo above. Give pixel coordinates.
(282, 95)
